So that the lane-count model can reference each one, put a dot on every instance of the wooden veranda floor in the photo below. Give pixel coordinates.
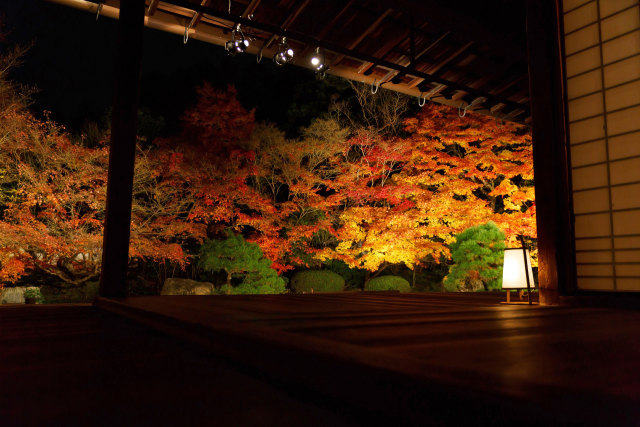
(335, 359)
(74, 365)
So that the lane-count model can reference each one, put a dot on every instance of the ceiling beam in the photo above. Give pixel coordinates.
(327, 28)
(286, 23)
(305, 38)
(363, 35)
(384, 51)
(216, 35)
(444, 66)
(512, 87)
(416, 81)
(153, 6)
(198, 15)
(251, 8)
(448, 18)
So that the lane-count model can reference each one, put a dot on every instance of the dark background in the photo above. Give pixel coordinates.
(72, 58)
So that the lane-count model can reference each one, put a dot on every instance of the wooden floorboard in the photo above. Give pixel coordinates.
(321, 359)
(417, 357)
(74, 365)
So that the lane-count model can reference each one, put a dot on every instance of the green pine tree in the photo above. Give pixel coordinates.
(477, 255)
(239, 258)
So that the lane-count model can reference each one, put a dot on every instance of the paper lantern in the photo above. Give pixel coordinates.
(513, 271)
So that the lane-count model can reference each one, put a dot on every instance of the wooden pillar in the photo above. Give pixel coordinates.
(115, 248)
(556, 270)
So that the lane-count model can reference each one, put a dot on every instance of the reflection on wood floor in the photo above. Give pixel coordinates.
(321, 359)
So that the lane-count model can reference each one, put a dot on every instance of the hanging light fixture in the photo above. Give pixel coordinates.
(318, 62)
(238, 42)
(284, 53)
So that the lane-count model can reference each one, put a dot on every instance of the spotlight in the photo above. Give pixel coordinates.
(284, 53)
(238, 43)
(318, 62)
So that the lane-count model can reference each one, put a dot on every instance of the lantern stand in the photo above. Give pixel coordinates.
(514, 269)
(526, 267)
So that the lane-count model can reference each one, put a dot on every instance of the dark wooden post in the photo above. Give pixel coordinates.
(553, 203)
(115, 248)
(525, 260)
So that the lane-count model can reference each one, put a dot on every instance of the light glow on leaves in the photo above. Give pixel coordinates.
(353, 195)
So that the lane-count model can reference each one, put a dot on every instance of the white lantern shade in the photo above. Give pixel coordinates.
(513, 276)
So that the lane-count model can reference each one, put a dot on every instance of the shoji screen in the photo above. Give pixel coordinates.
(602, 59)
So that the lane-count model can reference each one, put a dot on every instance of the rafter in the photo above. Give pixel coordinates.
(287, 22)
(251, 8)
(392, 58)
(384, 51)
(328, 27)
(305, 38)
(444, 66)
(416, 81)
(363, 35)
(195, 19)
(153, 6)
(325, 30)
(448, 18)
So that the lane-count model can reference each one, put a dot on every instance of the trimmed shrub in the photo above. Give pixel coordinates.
(353, 277)
(318, 280)
(388, 283)
(82, 294)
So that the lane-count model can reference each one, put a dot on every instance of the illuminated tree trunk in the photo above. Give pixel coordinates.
(228, 283)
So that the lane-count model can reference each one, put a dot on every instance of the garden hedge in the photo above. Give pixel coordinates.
(317, 280)
(388, 283)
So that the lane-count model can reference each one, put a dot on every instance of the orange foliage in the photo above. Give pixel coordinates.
(475, 168)
(348, 194)
(217, 122)
(53, 204)
(361, 197)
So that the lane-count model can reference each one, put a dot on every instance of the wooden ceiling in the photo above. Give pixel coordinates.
(423, 48)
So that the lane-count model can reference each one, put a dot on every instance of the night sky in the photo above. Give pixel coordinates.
(71, 64)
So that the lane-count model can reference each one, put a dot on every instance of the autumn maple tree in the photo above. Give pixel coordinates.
(405, 198)
(480, 168)
(52, 202)
(364, 194)
(370, 189)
